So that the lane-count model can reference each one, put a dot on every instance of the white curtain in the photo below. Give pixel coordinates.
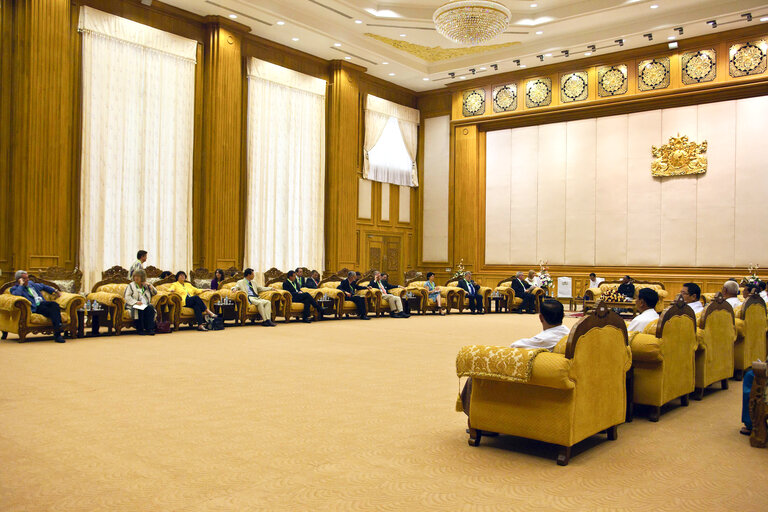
(137, 142)
(391, 140)
(286, 168)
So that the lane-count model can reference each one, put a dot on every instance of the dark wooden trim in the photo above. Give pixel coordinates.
(601, 316)
(752, 300)
(717, 304)
(677, 308)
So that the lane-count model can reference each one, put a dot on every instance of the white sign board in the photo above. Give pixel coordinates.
(564, 287)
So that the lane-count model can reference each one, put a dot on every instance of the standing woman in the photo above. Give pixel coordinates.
(190, 299)
(218, 277)
(434, 291)
(137, 294)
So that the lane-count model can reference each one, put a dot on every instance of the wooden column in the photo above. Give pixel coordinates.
(43, 178)
(465, 198)
(219, 185)
(6, 211)
(344, 150)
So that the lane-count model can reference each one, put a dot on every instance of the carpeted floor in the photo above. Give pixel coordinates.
(343, 415)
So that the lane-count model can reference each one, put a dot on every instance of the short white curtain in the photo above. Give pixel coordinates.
(286, 169)
(390, 151)
(137, 143)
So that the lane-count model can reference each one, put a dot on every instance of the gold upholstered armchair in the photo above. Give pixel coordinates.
(180, 314)
(378, 305)
(110, 294)
(415, 283)
(559, 397)
(513, 303)
(751, 328)
(16, 316)
(462, 302)
(283, 304)
(246, 310)
(329, 286)
(663, 359)
(593, 295)
(716, 335)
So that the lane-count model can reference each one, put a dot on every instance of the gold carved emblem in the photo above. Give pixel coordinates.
(678, 157)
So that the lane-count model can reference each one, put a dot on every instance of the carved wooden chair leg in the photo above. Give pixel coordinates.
(474, 437)
(564, 456)
(724, 384)
(655, 413)
(613, 433)
(684, 400)
(698, 394)
(738, 375)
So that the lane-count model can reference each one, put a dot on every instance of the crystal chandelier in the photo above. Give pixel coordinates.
(471, 22)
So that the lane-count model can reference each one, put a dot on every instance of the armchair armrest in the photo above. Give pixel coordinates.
(66, 299)
(552, 370)
(12, 310)
(646, 348)
(593, 294)
(108, 299)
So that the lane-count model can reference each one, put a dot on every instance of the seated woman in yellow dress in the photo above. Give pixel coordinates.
(189, 299)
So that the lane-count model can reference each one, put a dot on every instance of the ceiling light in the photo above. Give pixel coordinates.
(587, 54)
(541, 58)
(348, 57)
(671, 38)
(523, 66)
(539, 32)
(358, 21)
(649, 36)
(713, 23)
(281, 23)
(547, 54)
(336, 44)
(679, 30)
(385, 63)
(533, 6)
(495, 67)
(294, 39)
(620, 42)
(654, 6)
(747, 15)
(483, 69)
(233, 16)
(403, 35)
(673, 45)
(462, 78)
(425, 79)
(471, 21)
(764, 18)
(391, 74)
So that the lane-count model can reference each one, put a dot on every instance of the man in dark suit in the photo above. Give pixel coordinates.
(291, 286)
(387, 286)
(626, 287)
(521, 290)
(300, 279)
(313, 281)
(349, 288)
(472, 288)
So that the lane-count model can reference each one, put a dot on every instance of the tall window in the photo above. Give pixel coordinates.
(286, 168)
(391, 138)
(137, 142)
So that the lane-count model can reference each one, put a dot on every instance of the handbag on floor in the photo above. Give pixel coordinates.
(162, 326)
(215, 324)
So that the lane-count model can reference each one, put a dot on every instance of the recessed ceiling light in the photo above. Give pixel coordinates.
(294, 39)
(403, 35)
(671, 38)
(654, 6)
(547, 54)
(483, 69)
(534, 5)
(673, 45)
(358, 21)
(539, 32)
(523, 66)
(391, 74)
(463, 77)
(425, 79)
(764, 19)
(587, 54)
(348, 57)
(233, 16)
(385, 63)
(281, 23)
(336, 44)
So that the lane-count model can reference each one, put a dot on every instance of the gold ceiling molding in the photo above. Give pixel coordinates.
(678, 157)
(438, 53)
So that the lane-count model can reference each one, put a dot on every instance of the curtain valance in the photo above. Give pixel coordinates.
(273, 73)
(392, 109)
(108, 25)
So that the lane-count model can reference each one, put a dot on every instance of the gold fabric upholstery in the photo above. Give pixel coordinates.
(714, 355)
(110, 294)
(16, 315)
(505, 364)
(751, 328)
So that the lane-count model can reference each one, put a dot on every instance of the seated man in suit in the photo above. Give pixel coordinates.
(300, 279)
(645, 304)
(349, 288)
(264, 306)
(731, 293)
(33, 292)
(385, 284)
(291, 286)
(552, 331)
(313, 281)
(691, 293)
(395, 302)
(522, 290)
(626, 288)
(472, 288)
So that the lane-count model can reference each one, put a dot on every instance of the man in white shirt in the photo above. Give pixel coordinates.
(533, 280)
(763, 293)
(395, 302)
(731, 293)
(692, 296)
(551, 317)
(645, 304)
(593, 281)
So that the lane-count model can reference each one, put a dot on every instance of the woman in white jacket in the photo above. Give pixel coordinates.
(138, 300)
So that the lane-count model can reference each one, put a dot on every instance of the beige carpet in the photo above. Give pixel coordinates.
(344, 415)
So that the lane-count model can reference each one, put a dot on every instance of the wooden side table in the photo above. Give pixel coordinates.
(414, 304)
(327, 307)
(226, 311)
(96, 317)
(500, 304)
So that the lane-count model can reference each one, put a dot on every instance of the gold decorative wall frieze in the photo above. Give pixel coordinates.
(679, 156)
(438, 53)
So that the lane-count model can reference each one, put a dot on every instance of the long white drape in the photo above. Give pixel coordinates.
(286, 168)
(137, 143)
(385, 158)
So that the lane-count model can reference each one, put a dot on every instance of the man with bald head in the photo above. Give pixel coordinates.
(731, 293)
